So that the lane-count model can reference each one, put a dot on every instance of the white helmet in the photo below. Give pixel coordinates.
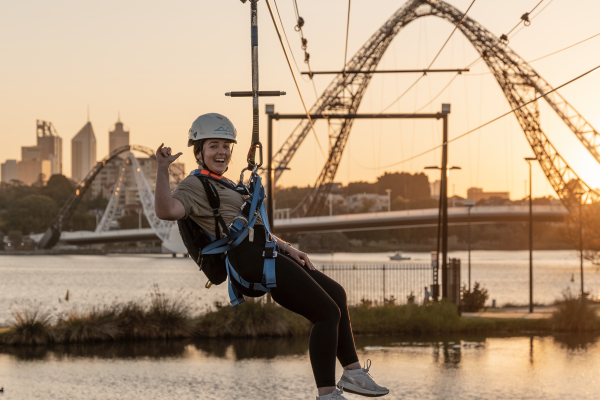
(212, 126)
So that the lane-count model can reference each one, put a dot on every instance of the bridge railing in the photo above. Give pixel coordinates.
(380, 283)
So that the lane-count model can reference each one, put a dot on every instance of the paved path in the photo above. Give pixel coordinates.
(513, 312)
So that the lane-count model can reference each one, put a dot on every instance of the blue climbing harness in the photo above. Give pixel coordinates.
(242, 227)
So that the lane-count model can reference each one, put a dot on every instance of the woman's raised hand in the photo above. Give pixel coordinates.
(163, 155)
(300, 256)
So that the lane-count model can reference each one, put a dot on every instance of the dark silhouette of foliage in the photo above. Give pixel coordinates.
(473, 300)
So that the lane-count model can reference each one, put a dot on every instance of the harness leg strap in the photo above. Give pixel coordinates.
(269, 268)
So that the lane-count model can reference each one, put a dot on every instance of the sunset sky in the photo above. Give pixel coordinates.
(161, 64)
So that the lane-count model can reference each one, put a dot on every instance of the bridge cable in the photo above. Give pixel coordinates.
(547, 55)
(435, 58)
(479, 59)
(452, 33)
(489, 122)
(347, 32)
(295, 80)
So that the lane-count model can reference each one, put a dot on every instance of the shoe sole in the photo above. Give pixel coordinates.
(351, 388)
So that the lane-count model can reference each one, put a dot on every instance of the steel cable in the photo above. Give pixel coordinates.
(294, 76)
(487, 123)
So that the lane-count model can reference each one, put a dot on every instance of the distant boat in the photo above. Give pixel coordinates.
(398, 257)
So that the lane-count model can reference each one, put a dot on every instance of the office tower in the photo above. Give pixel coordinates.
(9, 171)
(51, 145)
(30, 153)
(28, 171)
(117, 137)
(83, 152)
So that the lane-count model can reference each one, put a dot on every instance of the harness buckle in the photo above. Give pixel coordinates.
(269, 252)
(240, 217)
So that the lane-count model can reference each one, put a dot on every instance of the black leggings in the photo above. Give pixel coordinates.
(309, 293)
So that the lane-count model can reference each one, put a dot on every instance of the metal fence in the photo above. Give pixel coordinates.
(395, 283)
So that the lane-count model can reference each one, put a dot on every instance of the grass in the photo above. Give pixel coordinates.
(166, 317)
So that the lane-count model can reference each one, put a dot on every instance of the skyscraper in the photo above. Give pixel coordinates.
(51, 145)
(9, 171)
(83, 152)
(117, 137)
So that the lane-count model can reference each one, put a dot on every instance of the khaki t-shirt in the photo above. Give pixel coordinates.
(190, 193)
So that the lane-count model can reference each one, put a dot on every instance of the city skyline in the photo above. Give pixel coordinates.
(160, 97)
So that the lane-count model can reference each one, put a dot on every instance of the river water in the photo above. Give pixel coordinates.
(413, 368)
(93, 280)
(450, 368)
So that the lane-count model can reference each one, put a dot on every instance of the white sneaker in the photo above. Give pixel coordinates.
(335, 395)
(358, 381)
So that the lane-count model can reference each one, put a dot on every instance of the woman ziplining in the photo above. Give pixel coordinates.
(254, 260)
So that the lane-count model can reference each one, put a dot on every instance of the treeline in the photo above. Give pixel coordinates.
(31, 209)
(408, 191)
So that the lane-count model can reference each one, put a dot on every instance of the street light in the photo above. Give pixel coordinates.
(529, 160)
(580, 194)
(443, 218)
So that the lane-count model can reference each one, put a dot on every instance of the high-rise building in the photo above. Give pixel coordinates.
(9, 171)
(51, 145)
(117, 137)
(83, 152)
(30, 153)
(28, 171)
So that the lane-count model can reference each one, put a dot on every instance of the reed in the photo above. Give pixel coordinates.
(31, 325)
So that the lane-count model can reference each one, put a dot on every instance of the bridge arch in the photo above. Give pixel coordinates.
(518, 81)
(52, 234)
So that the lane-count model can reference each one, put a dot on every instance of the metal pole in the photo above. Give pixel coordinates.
(270, 175)
(530, 242)
(254, 55)
(469, 212)
(444, 197)
(581, 245)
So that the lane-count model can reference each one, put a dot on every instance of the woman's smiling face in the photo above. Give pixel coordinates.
(217, 154)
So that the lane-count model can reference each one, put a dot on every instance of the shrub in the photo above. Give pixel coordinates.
(473, 300)
(251, 319)
(574, 314)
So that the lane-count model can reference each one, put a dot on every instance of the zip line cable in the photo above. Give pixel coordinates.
(303, 43)
(452, 33)
(288, 42)
(489, 122)
(436, 56)
(479, 59)
(524, 18)
(532, 18)
(295, 80)
(347, 32)
(547, 55)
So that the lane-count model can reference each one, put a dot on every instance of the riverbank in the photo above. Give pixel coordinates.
(170, 318)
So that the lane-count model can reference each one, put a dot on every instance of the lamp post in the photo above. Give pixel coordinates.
(580, 194)
(529, 160)
(389, 194)
(469, 203)
(443, 217)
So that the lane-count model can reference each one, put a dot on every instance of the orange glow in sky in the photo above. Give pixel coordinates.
(161, 64)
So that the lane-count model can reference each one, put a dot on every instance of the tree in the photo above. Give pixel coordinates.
(324, 242)
(590, 222)
(58, 188)
(33, 213)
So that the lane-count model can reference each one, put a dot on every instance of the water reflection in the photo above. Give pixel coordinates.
(434, 367)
